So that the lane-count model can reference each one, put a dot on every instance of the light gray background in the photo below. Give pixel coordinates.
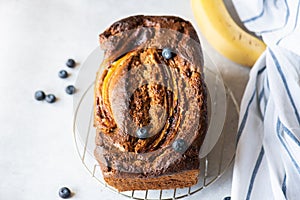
(37, 150)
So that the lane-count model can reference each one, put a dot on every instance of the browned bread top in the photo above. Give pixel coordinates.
(151, 31)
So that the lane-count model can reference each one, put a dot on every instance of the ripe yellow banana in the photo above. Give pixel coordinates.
(224, 34)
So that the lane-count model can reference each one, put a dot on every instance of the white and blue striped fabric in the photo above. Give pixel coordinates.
(267, 163)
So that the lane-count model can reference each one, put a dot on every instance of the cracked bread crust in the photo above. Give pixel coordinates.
(171, 103)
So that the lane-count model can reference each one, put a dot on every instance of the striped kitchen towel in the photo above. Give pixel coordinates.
(267, 163)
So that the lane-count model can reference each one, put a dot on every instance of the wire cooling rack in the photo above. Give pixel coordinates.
(212, 165)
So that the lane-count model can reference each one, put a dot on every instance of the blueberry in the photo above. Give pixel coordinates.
(142, 133)
(39, 95)
(50, 98)
(167, 53)
(63, 74)
(71, 63)
(179, 145)
(70, 89)
(171, 119)
(64, 192)
(227, 198)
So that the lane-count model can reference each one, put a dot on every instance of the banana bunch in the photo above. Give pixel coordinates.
(224, 34)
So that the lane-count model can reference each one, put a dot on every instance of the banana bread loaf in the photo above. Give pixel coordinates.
(150, 108)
